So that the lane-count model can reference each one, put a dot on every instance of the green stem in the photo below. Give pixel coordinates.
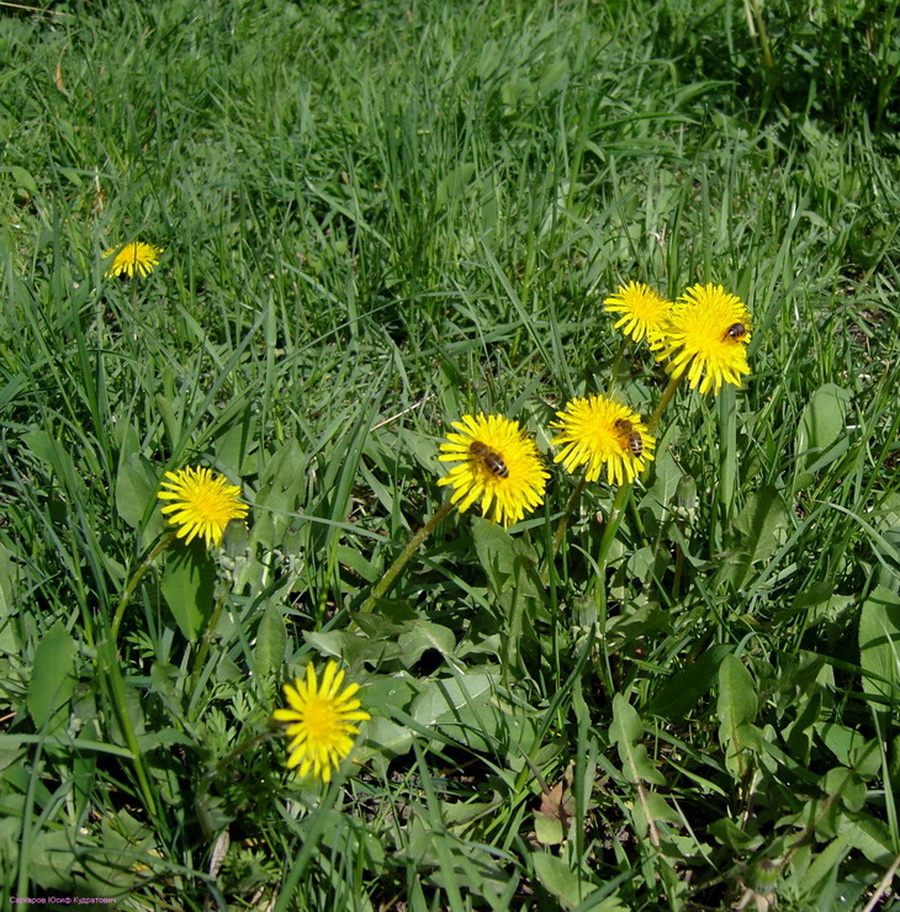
(208, 635)
(614, 520)
(609, 535)
(135, 579)
(120, 708)
(768, 60)
(614, 368)
(668, 393)
(574, 497)
(402, 559)
(110, 665)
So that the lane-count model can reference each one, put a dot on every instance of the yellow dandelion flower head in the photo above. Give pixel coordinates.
(137, 257)
(599, 431)
(498, 464)
(320, 721)
(644, 312)
(708, 329)
(202, 504)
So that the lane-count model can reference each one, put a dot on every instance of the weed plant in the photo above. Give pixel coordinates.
(375, 218)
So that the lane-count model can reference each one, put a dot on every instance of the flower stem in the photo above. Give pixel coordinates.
(141, 569)
(609, 536)
(668, 393)
(109, 663)
(208, 635)
(616, 515)
(574, 497)
(402, 559)
(113, 674)
(614, 368)
(768, 60)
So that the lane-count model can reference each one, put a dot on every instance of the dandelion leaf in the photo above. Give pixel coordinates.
(271, 638)
(763, 524)
(626, 730)
(281, 486)
(188, 582)
(821, 425)
(349, 647)
(136, 487)
(879, 644)
(515, 586)
(736, 709)
(551, 819)
(558, 878)
(448, 695)
(679, 695)
(52, 679)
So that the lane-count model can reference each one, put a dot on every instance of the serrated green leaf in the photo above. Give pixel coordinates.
(514, 584)
(9, 580)
(350, 557)
(822, 423)
(736, 709)
(384, 740)
(872, 838)
(50, 861)
(271, 638)
(392, 692)
(21, 178)
(234, 445)
(650, 807)
(282, 482)
(764, 523)
(625, 731)
(840, 740)
(879, 644)
(571, 890)
(548, 830)
(422, 636)
(560, 880)
(730, 834)
(135, 490)
(349, 647)
(52, 679)
(678, 696)
(188, 584)
(454, 185)
(165, 737)
(844, 785)
(496, 554)
(825, 864)
(449, 694)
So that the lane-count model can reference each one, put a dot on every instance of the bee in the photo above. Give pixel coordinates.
(632, 437)
(735, 331)
(492, 461)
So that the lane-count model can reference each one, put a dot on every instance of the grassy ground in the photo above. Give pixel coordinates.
(378, 216)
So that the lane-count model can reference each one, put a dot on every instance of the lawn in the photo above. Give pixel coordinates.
(621, 598)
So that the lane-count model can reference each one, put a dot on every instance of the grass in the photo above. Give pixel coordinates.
(376, 218)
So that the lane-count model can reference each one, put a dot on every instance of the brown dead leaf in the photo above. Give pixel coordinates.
(556, 803)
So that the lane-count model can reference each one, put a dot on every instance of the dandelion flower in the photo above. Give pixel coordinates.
(320, 721)
(132, 258)
(645, 313)
(598, 431)
(708, 329)
(202, 504)
(499, 463)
